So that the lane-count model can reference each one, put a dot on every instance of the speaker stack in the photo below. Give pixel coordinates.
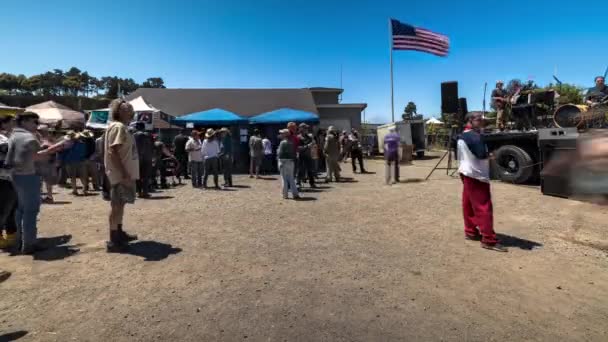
(449, 97)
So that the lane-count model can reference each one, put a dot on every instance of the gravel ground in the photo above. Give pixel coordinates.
(360, 261)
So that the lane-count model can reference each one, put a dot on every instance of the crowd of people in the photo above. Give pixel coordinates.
(125, 161)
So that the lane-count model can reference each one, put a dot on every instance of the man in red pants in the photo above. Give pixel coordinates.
(474, 171)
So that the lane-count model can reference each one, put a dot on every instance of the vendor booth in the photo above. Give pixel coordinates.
(284, 115)
(57, 115)
(217, 118)
(270, 123)
(212, 117)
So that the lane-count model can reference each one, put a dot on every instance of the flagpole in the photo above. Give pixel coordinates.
(390, 46)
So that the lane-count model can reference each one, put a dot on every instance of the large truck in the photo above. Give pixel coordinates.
(520, 154)
(412, 132)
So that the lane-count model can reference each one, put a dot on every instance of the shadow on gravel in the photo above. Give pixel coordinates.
(306, 199)
(55, 248)
(157, 198)
(14, 336)
(347, 180)
(411, 180)
(512, 241)
(311, 190)
(56, 203)
(268, 178)
(151, 250)
(241, 186)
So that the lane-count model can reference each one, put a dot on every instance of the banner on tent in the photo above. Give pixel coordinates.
(98, 117)
(146, 118)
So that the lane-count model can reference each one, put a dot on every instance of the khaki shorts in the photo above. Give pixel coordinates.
(122, 194)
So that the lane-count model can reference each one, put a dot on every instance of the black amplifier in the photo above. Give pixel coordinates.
(557, 150)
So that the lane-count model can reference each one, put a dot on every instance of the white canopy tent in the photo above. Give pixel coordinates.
(433, 121)
(140, 105)
(143, 112)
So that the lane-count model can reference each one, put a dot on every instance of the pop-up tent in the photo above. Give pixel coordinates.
(144, 112)
(8, 110)
(433, 121)
(53, 113)
(211, 117)
(284, 115)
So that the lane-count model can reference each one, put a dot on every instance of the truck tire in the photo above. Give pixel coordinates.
(419, 154)
(514, 164)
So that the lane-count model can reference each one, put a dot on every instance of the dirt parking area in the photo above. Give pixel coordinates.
(359, 261)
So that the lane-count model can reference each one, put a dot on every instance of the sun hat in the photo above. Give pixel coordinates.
(210, 133)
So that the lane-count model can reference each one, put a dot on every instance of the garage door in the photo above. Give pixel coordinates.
(339, 124)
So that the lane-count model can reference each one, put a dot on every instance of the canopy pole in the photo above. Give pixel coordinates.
(390, 46)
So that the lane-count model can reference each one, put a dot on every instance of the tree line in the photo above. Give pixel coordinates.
(73, 82)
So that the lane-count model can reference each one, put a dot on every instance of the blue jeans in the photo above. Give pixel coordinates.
(28, 207)
(197, 168)
(286, 169)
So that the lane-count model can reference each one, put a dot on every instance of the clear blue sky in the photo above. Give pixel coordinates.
(297, 43)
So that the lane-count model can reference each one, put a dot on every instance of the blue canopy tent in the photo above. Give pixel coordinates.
(211, 117)
(284, 115)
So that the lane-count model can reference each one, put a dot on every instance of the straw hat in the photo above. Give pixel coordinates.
(72, 135)
(331, 129)
(210, 133)
(224, 130)
(284, 131)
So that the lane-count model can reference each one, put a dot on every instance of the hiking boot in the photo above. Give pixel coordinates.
(117, 243)
(4, 275)
(124, 236)
(494, 247)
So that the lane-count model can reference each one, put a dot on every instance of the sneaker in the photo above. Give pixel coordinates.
(472, 237)
(495, 247)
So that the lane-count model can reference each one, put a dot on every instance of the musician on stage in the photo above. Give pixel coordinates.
(499, 101)
(597, 93)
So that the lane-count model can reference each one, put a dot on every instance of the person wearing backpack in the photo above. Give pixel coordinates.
(256, 153)
(73, 157)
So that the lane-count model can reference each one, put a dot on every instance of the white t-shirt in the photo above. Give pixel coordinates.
(193, 147)
(267, 146)
(471, 166)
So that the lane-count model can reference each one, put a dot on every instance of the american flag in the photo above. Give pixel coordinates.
(408, 37)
